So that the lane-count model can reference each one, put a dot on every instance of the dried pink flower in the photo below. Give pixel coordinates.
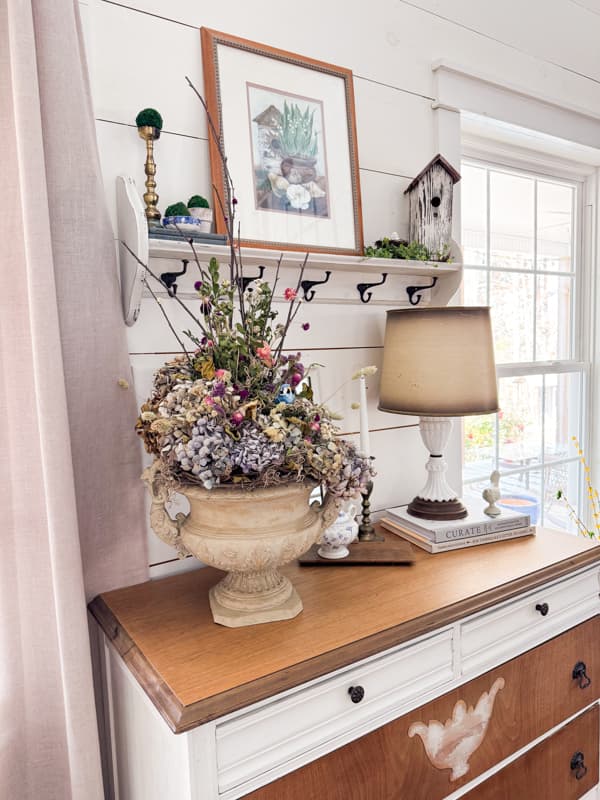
(264, 353)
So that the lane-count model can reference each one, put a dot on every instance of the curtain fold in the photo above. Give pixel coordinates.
(73, 522)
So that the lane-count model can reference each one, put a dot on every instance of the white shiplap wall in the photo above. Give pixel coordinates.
(140, 50)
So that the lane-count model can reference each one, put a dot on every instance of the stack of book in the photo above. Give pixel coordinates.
(440, 536)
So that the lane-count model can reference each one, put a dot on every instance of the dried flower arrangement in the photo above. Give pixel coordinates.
(235, 407)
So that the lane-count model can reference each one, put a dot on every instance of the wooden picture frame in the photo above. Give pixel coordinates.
(287, 127)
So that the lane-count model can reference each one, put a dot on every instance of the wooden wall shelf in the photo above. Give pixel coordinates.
(347, 271)
(252, 256)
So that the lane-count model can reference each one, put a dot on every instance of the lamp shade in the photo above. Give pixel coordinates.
(439, 362)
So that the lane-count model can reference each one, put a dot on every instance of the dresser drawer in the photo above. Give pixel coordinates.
(517, 625)
(433, 750)
(274, 733)
(562, 767)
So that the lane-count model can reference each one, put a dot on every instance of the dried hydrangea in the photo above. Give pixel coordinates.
(239, 410)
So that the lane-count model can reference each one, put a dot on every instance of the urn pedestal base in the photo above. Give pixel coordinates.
(233, 607)
(253, 597)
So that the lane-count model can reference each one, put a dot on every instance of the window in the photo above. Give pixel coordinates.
(521, 234)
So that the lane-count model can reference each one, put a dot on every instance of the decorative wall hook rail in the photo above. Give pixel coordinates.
(307, 286)
(365, 295)
(415, 292)
(247, 281)
(168, 279)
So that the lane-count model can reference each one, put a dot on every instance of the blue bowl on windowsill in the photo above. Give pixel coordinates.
(522, 503)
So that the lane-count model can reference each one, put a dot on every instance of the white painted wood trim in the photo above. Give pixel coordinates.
(254, 257)
(504, 154)
(457, 88)
(444, 65)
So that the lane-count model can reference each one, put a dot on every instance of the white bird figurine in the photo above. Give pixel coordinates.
(491, 494)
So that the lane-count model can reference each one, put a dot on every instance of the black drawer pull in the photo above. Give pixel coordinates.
(580, 675)
(543, 608)
(356, 693)
(577, 765)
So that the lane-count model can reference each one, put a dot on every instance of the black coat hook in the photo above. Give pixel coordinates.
(365, 296)
(168, 279)
(414, 292)
(307, 286)
(245, 282)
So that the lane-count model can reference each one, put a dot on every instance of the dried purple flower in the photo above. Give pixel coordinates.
(306, 326)
(198, 285)
(218, 389)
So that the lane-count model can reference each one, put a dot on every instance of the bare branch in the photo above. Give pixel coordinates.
(166, 316)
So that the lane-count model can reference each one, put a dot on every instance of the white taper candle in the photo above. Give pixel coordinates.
(365, 449)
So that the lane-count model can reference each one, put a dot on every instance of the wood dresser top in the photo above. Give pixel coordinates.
(195, 670)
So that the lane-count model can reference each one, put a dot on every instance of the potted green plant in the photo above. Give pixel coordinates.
(200, 209)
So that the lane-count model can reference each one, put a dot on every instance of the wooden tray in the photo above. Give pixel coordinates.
(365, 554)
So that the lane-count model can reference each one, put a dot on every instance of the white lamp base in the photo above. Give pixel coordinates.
(437, 499)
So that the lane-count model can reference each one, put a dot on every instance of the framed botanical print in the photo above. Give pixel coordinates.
(287, 128)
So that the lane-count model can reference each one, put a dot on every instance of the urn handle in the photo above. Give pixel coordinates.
(161, 522)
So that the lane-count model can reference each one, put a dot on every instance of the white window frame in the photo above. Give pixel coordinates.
(500, 155)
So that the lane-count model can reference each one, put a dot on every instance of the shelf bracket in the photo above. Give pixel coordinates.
(365, 296)
(245, 282)
(307, 286)
(169, 279)
(415, 292)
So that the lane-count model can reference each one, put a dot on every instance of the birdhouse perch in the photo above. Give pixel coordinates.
(430, 198)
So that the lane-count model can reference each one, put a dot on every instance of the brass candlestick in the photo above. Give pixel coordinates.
(366, 531)
(149, 133)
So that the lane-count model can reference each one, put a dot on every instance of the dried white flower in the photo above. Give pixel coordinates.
(364, 372)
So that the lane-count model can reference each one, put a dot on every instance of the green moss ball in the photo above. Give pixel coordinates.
(149, 116)
(197, 201)
(177, 210)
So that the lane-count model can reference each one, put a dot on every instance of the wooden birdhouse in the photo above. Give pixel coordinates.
(430, 197)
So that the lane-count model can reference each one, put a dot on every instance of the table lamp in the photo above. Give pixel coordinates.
(438, 363)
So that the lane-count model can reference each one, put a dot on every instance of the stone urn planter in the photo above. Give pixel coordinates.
(246, 533)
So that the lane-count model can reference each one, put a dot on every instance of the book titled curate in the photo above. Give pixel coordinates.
(443, 547)
(474, 524)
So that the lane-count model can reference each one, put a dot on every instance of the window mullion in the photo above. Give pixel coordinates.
(535, 266)
(488, 256)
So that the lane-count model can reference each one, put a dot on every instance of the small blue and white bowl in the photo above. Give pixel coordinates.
(185, 224)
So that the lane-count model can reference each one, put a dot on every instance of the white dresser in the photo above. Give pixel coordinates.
(472, 673)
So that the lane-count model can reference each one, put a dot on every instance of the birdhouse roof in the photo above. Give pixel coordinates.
(271, 117)
(439, 159)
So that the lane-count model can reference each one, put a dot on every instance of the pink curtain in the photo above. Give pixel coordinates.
(72, 503)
